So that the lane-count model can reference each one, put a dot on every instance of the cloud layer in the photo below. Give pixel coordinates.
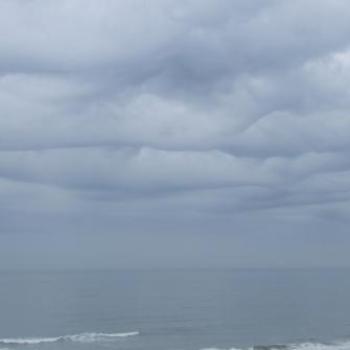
(181, 113)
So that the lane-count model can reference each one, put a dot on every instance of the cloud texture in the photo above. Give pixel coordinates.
(173, 116)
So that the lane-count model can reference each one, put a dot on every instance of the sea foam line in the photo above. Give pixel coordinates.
(80, 338)
(339, 345)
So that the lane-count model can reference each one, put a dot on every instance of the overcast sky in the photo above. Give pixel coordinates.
(151, 133)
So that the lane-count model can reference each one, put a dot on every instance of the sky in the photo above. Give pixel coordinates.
(174, 133)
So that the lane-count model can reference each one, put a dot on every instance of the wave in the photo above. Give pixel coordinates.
(339, 345)
(80, 338)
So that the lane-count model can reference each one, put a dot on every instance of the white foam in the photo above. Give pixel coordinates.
(93, 337)
(344, 345)
(80, 338)
(28, 341)
(341, 345)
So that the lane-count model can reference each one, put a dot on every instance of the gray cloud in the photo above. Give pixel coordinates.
(161, 117)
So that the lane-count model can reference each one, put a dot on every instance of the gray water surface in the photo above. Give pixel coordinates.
(175, 309)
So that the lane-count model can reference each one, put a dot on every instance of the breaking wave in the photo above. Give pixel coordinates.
(340, 345)
(80, 338)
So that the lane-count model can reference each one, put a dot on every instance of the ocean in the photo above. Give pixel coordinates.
(175, 309)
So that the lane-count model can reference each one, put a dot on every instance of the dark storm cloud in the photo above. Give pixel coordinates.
(174, 114)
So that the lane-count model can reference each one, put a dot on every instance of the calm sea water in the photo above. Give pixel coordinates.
(174, 310)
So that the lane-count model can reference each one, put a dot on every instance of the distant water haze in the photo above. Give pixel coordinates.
(187, 249)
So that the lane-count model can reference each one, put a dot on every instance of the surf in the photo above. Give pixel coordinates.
(338, 345)
(79, 338)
